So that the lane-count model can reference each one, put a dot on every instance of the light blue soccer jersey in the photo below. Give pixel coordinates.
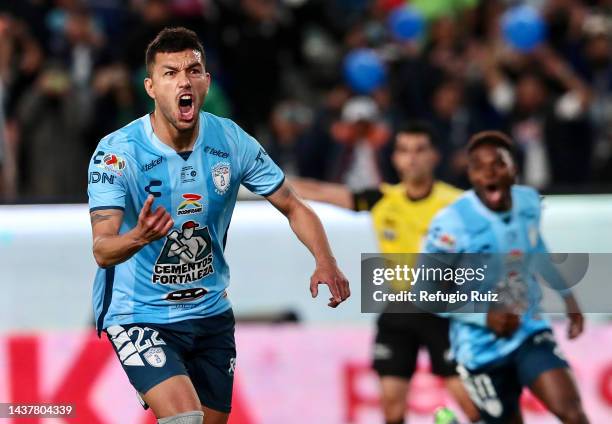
(183, 275)
(468, 226)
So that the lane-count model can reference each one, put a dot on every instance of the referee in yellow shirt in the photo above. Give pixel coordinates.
(401, 215)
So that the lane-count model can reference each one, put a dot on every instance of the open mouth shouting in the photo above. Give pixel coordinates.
(493, 194)
(186, 107)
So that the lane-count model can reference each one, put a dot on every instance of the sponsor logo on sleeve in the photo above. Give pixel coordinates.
(190, 205)
(101, 177)
(111, 162)
(221, 174)
(445, 241)
(186, 256)
(97, 157)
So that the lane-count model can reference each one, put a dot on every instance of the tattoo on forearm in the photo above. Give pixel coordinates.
(286, 190)
(99, 217)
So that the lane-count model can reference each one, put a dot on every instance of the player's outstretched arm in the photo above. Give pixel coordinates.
(336, 194)
(111, 248)
(308, 228)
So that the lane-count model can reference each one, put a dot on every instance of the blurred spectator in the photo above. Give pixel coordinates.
(454, 123)
(315, 154)
(290, 120)
(3, 143)
(113, 102)
(595, 65)
(20, 60)
(151, 16)
(359, 138)
(79, 46)
(256, 38)
(53, 118)
(546, 113)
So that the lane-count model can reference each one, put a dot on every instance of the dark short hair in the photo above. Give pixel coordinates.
(418, 127)
(491, 138)
(173, 40)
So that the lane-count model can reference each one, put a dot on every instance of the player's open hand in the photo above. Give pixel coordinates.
(153, 225)
(576, 319)
(576, 325)
(329, 273)
(503, 323)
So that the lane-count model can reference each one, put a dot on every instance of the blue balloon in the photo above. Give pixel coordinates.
(523, 28)
(364, 71)
(406, 23)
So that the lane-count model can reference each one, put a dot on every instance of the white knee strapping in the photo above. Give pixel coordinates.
(191, 417)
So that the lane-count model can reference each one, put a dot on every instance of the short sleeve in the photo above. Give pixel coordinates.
(445, 234)
(106, 183)
(259, 172)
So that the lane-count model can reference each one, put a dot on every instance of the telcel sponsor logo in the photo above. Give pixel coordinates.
(190, 205)
(152, 164)
(215, 152)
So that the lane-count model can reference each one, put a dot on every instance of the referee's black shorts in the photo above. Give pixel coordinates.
(399, 338)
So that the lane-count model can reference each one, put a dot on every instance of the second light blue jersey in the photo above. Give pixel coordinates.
(183, 275)
(468, 226)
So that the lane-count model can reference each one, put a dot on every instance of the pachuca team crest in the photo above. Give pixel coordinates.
(221, 174)
(186, 256)
(156, 357)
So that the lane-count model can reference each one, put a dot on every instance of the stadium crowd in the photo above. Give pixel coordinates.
(71, 72)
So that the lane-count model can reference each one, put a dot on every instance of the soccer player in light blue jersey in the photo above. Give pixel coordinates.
(162, 191)
(503, 350)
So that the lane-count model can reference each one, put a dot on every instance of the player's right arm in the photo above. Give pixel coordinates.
(111, 248)
(110, 171)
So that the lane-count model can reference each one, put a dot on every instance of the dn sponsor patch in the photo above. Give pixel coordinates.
(101, 177)
(186, 256)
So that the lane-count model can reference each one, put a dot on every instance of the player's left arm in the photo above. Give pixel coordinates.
(548, 271)
(308, 228)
